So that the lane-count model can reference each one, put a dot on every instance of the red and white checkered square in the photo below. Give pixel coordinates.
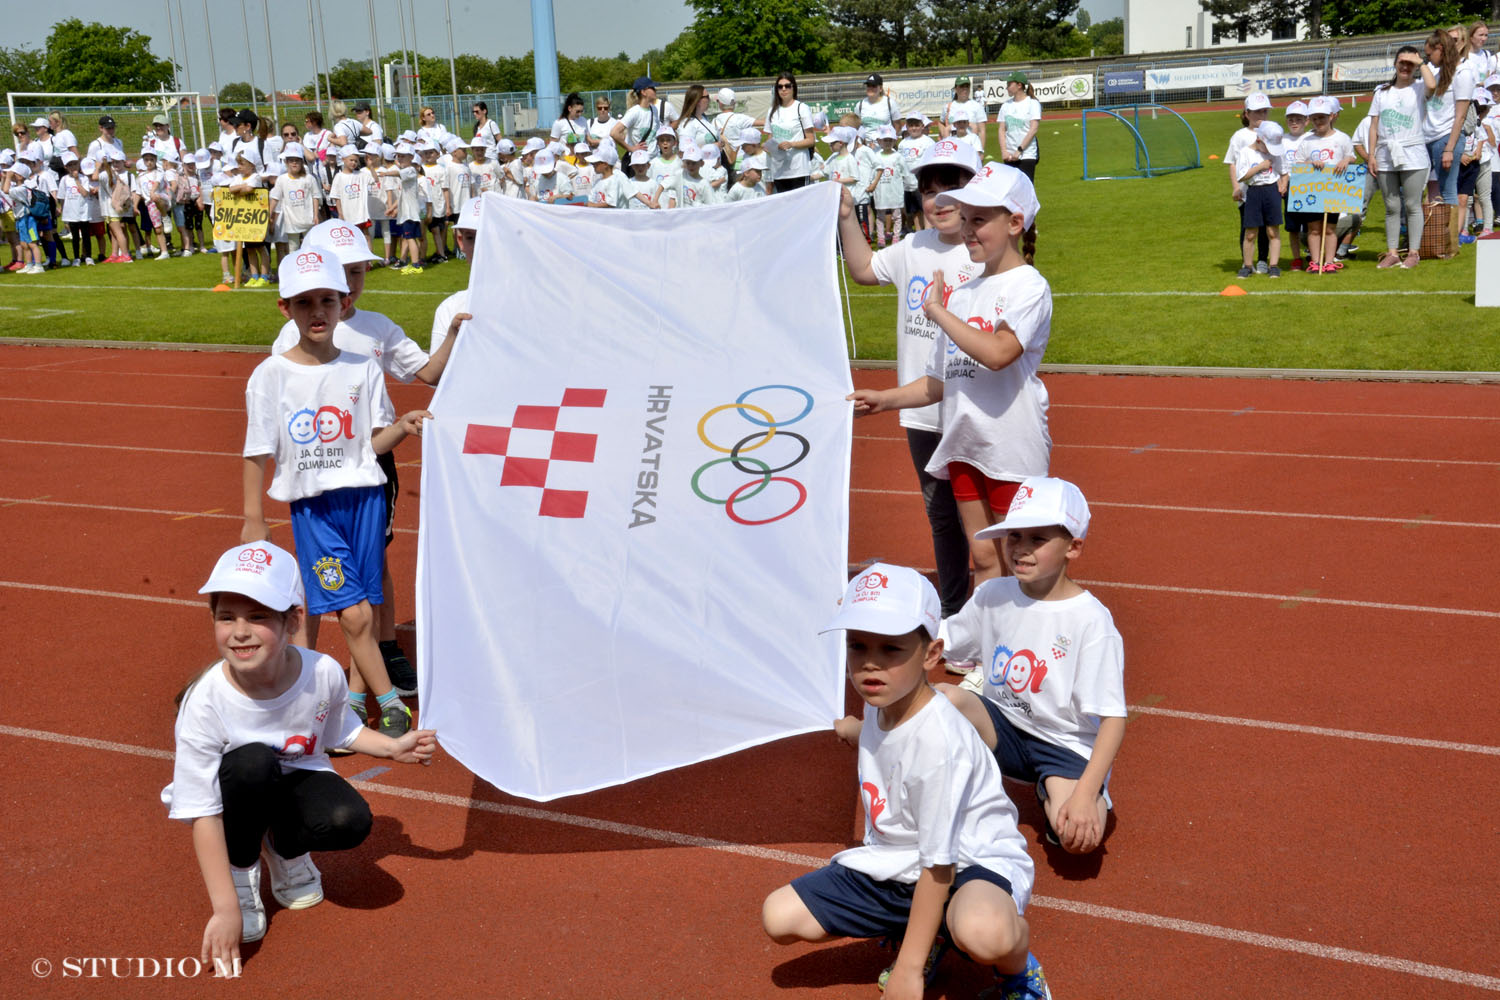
(532, 443)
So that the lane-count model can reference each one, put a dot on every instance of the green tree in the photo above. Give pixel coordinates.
(881, 32)
(22, 69)
(734, 38)
(1343, 17)
(1083, 20)
(102, 57)
(984, 28)
(236, 94)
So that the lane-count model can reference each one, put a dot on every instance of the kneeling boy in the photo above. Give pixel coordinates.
(1049, 699)
(942, 859)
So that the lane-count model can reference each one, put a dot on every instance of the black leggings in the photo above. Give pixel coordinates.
(788, 184)
(302, 810)
(950, 544)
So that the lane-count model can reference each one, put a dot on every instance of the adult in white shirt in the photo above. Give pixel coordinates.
(1476, 58)
(573, 127)
(484, 127)
(346, 130)
(729, 123)
(1450, 89)
(63, 140)
(875, 109)
(637, 128)
(602, 125)
(433, 130)
(369, 129)
(694, 128)
(790, 123)
(978, 116)
(1400, 163)
(161, 139)
(107, 140)
(226, 126)
(1020, 118)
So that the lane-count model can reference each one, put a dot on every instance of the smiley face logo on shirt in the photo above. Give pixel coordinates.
(303, 426)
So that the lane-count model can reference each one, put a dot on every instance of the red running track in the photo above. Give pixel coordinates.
(1303, 573)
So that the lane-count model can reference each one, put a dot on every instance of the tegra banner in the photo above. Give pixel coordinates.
(1272, 84)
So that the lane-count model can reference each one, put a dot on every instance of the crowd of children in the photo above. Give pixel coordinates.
(1426, 142)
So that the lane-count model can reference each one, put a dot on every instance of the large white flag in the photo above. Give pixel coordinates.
(634, 493)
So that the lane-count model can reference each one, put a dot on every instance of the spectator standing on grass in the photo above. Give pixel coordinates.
(1329, 152)
(1257, 167)
(484, 127)
(875, 109)
(1450, 89)
(914, 145)
(316, 142)
(432, 130)
(637, 128)
(226, 126)
(979, 118)
(370, 131)
(99, 148)
(790, 123)
(1474, 180)
(1257, 107)
(694, 128)
(161, 139)
(63, 140)
(602, 125)
(1021, 116)
(573, 127)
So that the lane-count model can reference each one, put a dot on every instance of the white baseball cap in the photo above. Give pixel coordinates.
(20, 169)
(68, 156)
(1297, 108)
(1257, 102)
(387, 152)
(533, 144)
(640, 156)
(724, 96)
(844, 134)
(749, 135)
(581, 147)
(1322, 106)
(690, 151)
(545, 162)
(478, 142)
(87, 164)
(203, 158)
(505, 146)
(997, 185)
(1493, 80)
(310, 268)
(1481, 97)
(756, 162)
(261, 571)
(1271, 134)
(889, 600)
(353, 151)
(885, 132)
(42, 123)
(710, 153)
(1041, 502)
(34, 154)
(959, 114)
(347, 243)
(606, 153)
(951, 152)
(468, 216)
(666, 132)
(917, 116)
(249, 155)
(294, 151)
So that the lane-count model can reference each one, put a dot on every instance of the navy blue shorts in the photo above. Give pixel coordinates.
(847, 903)
(406, 230)
(1262, 206)
(1023, 757)
(340, 547)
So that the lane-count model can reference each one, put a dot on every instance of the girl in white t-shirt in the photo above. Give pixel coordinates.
(665, 169)
(294, 198)
(914, 143)
(888, 187)
(251, 772)
(991, 337)
(1328, 151)
(1450, 88)
(978, 117)
(1021, 117)
(638, 185)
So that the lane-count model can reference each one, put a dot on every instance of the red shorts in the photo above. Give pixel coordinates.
(970, 484)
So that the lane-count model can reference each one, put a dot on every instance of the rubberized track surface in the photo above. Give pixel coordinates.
(1304, 574)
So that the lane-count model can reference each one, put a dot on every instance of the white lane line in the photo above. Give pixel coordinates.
(1094, 910)
(1158, 449)
(1257, 411)
(888, 293)
(122, 447)
(1408, 522)
(107, 402)
(1294, 598)
(1345, 734)
(42, 502)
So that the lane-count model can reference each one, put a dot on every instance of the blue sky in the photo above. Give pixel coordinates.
(488, 27)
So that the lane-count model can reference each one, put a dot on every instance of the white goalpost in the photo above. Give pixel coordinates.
(132, 113)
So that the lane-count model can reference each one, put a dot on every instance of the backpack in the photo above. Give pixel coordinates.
(119, 196)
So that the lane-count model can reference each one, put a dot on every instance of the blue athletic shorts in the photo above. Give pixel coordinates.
(340, 539)
(26, 228)
(1023, 757)
(847, 903)
(409, 230)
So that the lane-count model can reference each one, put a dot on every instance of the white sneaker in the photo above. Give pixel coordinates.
(64, 262)
(187, 252)
(295, 882)
(34, 269)
(252, 910)
(88, 261)
(973, 682)
(162, 256)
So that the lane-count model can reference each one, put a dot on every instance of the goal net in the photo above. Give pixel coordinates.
(1136, 140)
(132, 114)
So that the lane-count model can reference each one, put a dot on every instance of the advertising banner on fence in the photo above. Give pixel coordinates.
(1272, 84)
(1313, 190)
(1078, 87)
(927, 96)
(1363, 71)
(1129, 82)
(241, 217)
(1193, 77)
(634, 527)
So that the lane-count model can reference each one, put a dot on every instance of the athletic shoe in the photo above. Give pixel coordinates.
(89, 261)
(17, 266)
(163, 256)
(34, 269)
(960, 666)
(1412, 260)
(393, 263)
(64, 262)
(1465, 239)
(1335, 266)
(929, 971)
(1244, 272)
(460, 255)
(398, 667)
(1273, 272)
(252, 910)
(1296, 263)
(142, 253)
(411, 269)
(1028, 985)
(1388, 259)
(295, 882)
(1314, 269)
(395, 721)
(1261, 267)
(187, 252)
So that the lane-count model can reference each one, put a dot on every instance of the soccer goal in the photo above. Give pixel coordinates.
(132, 113)
(1136, 140)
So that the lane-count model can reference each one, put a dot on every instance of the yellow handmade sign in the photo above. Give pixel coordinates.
(241, 217)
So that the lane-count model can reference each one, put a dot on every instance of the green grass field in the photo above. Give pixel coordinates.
(1135, 266)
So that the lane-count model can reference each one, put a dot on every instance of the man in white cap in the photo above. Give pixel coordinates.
(360, 331)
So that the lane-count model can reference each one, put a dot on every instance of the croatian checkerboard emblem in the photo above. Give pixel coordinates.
(565, 446)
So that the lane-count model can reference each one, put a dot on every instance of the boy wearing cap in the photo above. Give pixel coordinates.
(322, 414)
(295, 197)
(609, 188)
(1258, 172)
(408, 212)
(77, 195)
(942, 859)
(1050, 699)
(435, 188)
(914, 143)
(749, 186)
(13, 187)
(458, 181)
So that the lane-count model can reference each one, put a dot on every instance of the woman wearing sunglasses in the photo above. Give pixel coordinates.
(1400, 164)
(484, 127)
(790, 123)
(603, 122)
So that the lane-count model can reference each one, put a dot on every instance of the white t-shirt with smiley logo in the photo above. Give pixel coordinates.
(932, 796)
(1053, 667)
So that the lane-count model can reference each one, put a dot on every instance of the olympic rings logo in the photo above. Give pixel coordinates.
(767, 428)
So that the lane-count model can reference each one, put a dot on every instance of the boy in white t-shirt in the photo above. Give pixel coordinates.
(609, 183)
(295, 196)
(1257, 169)
(1050, 699)
(913, 144)
(408, 212)
(749, 186)
(322, 415)
(942, 859)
